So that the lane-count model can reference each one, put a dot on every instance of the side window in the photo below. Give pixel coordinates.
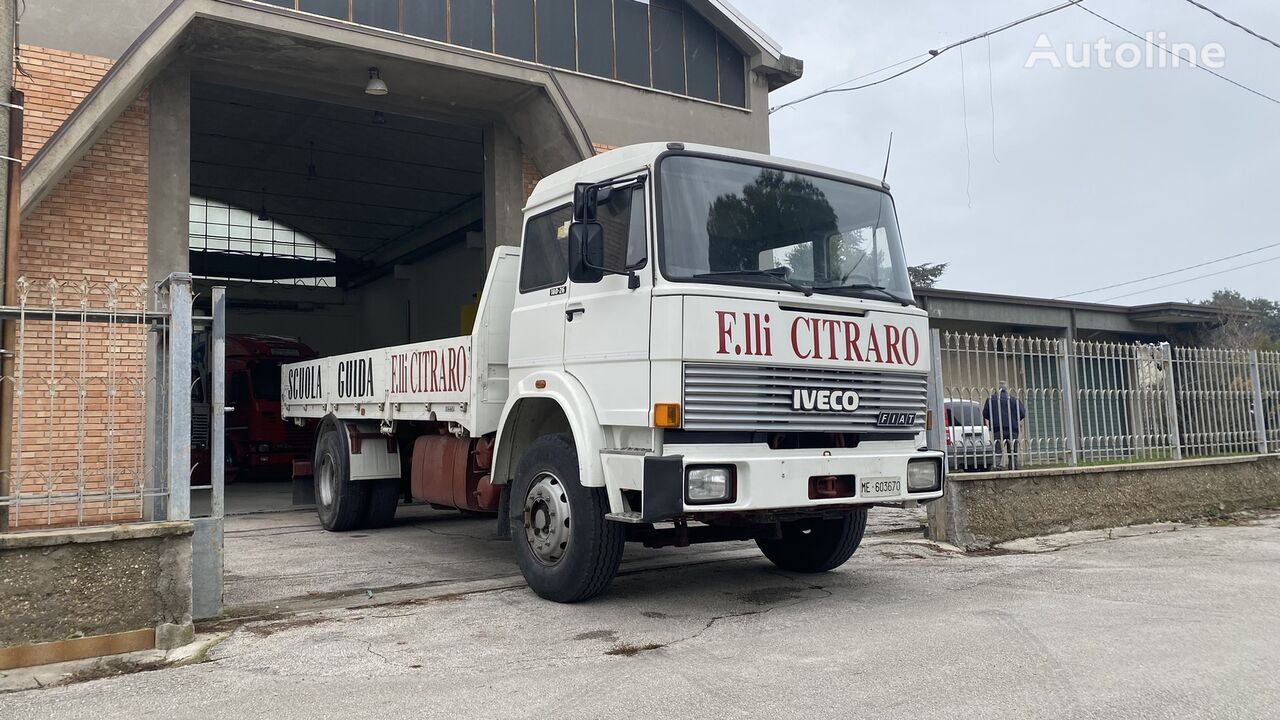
(622, 217)
(544, 261)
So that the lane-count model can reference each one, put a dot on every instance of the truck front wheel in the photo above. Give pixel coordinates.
(817, 545)
(566, 549)
(341, 503)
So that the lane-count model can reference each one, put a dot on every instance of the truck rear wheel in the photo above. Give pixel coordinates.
(341, 503)
(566, 549)
(817, 545)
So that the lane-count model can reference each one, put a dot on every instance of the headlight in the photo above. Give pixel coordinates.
(924, 475)
(709, 484)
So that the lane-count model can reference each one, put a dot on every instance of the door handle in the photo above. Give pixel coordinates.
(574, 310)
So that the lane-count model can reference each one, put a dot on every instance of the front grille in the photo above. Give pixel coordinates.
(298, 438)
(200, 428)
(755, 397)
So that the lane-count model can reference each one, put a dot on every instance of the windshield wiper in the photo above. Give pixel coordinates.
(777, 273)
(864, 287)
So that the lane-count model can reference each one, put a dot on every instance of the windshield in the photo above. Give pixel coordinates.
(266, 379)
(732, 222)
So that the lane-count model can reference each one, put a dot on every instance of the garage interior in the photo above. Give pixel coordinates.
(340, 227)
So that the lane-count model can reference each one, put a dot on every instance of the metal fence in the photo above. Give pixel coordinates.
(93, 373)
(1096, 402)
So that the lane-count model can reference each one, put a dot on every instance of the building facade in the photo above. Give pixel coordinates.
(346, 167)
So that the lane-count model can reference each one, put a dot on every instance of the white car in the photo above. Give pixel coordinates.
(969, 443)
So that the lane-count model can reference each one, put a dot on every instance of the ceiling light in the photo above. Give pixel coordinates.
(375, 86)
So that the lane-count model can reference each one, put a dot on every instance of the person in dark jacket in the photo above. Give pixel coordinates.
(1004, 413)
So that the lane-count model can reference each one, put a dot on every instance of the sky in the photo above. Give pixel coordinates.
(1048, 181)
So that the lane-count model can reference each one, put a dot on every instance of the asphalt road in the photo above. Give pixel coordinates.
(1182, 624)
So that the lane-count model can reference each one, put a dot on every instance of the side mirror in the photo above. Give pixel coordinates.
(586, 252)
(585, 200)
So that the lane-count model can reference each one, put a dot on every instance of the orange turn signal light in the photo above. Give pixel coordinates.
(666, 415)
(540, 384)
(928, 420)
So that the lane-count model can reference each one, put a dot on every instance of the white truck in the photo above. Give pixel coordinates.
(692, 344)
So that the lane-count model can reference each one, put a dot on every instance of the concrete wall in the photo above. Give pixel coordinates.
(617, 115)
(417, 301)
(61, 585)
(329, 329)
(979, 510)
(64, 25)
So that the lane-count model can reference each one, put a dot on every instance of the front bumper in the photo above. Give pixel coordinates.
(768, 480)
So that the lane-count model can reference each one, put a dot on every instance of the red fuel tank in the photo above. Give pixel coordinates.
(453, 472)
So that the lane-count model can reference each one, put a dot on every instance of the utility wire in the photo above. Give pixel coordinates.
(1188, 60)
(1198, 277)
(1171, 272)
(839, 88)
(1233, 23)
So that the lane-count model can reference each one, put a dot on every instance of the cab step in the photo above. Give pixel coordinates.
(630, 516)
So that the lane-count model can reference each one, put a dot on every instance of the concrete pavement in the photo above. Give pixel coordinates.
(287, 558)
(1182, 624)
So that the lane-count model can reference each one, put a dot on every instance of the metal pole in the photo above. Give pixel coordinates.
(1070, 401)
(218, 402)
(178, 448)
(8, 335)
(1171, 400)
(207, 536)
(1259, 411)
(936, 439)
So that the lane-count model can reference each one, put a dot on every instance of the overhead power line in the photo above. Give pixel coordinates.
(1191, 279)
(1183, 58)
(1233, 23)
(927, 57)
(1170, 272)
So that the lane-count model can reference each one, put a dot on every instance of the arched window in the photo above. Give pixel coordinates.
(231, 243)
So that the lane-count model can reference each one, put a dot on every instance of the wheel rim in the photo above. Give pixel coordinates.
(327, 475)
(546, 519)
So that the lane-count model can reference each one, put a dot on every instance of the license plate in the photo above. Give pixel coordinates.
(896, 419)
(881, 487)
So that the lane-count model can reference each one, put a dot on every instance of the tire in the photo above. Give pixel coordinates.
(341, 503)
(566, 549)
(814, 546)
(384, 498)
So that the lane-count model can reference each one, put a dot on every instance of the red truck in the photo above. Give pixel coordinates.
(260, 444)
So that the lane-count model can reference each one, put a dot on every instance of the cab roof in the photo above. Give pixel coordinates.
(557, 187)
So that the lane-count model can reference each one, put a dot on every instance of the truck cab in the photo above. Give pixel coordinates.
(692, 344)
(259, 444)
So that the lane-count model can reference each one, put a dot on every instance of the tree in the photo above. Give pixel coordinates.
(1244, 322)
(772, 206)
(926, 275)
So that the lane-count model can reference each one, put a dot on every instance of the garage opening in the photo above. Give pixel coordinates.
(335, 228)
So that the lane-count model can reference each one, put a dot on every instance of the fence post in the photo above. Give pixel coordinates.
(1070, 400)
(1259, 412)
(178, 442)
(1171, 400)
(936, 438)
(218, 403)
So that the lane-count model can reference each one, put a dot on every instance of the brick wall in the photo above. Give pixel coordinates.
(58, 81)
(531, 175)
(82, 405)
